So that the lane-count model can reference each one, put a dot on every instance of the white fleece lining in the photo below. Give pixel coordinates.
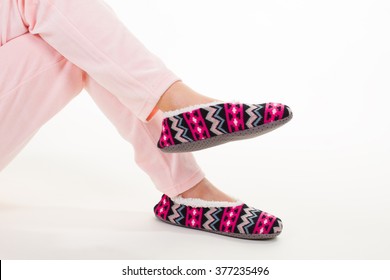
(197, 202)
(194, 107)
(189, 108)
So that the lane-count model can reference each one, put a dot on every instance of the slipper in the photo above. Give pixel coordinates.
(234, 219)
(208, 125)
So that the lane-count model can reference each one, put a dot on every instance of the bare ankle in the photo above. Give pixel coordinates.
(207, 191)
(179, 95)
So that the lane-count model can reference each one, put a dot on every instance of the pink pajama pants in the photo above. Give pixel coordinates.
(51, 49)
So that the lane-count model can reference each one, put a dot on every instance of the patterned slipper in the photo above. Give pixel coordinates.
(233, 219)
(208, 125)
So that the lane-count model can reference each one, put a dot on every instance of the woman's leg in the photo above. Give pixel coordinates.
(35, 83)
(172, 174)
(89, 35)
(109, 54)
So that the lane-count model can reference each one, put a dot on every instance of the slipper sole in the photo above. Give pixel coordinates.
(230, 234)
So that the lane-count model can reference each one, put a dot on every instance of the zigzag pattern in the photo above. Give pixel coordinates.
(177, 215)
(185, 130)
(216, 218)
(245, 222)
(257, 112)
(214, 121)
(252, 219)
(239, 221)
(180, 130)
(254, 116)
(210, 218)
(218, 117)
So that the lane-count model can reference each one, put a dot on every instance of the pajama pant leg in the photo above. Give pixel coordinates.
(171, 173)
(36, 82)
(88, 34)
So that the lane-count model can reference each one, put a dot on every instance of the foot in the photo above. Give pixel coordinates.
(200, 127)
(205, 190)
(234, 219)
(179, 95)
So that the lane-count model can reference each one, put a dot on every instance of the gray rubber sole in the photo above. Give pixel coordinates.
(230, 234)
(225, 138)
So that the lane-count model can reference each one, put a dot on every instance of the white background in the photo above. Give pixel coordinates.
(74, 192)
(277, 270)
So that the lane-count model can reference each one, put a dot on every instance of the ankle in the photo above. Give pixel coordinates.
(207, 191)
(179, 95)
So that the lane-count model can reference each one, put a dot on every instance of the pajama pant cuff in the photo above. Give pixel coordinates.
(186, 185)
(159, 89)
